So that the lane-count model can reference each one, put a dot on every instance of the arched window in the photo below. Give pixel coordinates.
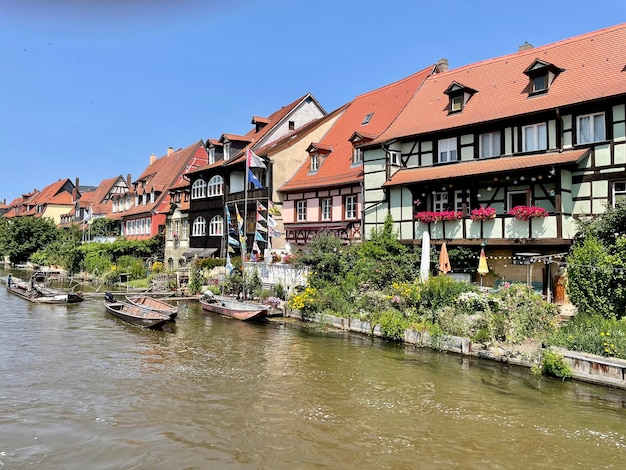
(216, 227)
(198, 189)
(199, 227)
(216, 186)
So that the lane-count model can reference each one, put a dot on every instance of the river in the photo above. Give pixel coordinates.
(80, 389)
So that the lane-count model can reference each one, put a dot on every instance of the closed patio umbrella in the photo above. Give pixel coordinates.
(425, 261)
(482, 265)
(444, 260)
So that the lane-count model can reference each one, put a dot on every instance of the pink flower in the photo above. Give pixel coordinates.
(528, 212)
(483, 213)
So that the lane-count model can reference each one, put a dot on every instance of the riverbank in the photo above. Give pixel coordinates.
(589, 368)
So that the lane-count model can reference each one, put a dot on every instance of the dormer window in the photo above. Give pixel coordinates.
(211, 154)
(541, 75)
(315, 162)
(357, 155)
(367, 118)
(394, 158)
(226, 150)
(292, 125)
(458, 95)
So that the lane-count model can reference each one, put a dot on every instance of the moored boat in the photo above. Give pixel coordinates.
(42, 295)
(134, 314)
(246, 311)
(151, 303)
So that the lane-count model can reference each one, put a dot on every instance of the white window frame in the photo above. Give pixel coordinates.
(149, 226)
(301, 211)
(216, 226)
(619, 191)
(447, 150)
(456, 103)
(350, 207)
(537, 139)
(535, 81)
(183, 235)
(198, 189)
(458, 201)
(226, 150)
(440, 201)
(152, 197)
(326, 205)
(394, 158)
(198, 228)
(215, 186)
(211, 154)
(511, 194)
(357, 155)
(315, 162)
(596, 128)
(490, 144)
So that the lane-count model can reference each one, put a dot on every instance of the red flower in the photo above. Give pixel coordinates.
(528, 212)
(483, 213)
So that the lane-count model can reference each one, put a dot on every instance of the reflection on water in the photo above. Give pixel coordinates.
(81, 389)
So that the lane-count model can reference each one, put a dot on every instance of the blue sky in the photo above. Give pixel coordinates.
(91, 88)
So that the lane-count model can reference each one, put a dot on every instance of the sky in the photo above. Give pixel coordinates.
(89, 89)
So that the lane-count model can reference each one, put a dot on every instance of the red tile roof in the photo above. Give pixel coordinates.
(593, 68)
(474, 168)
(384, 104)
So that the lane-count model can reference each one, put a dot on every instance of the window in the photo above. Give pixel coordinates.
(619, 192)
(534, 137)
(142, 229)
(144, 199)
(301, 211)
(211, 154)
(199, 227)
(216, 226)
(357, 155)
(490, 145)
(518, 198)
(326, 209)
(170, 229)
(394, 158)
(458, 201)
(367, 119)
(184, 231)
(456, 103)
(216, 186)
(198, 189)
(226, 150)
(136, 200)
(591, 128)
(315, 159)
(292, 125)
(152, 197)
(350, 206)
(539, 83)
(440, 201)
(447, 150)
(149, 226)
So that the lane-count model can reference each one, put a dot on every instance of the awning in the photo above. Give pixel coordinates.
(481, 167)
(199, 252)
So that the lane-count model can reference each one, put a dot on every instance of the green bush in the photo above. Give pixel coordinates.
(392, 324)
(593, 334)
(554, 365)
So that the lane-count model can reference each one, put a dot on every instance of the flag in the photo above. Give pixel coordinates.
(274, 233)
(273, 210)
(260, 207)
(253, 179)
(239, 219)
(271, 222)
(88, 214)
(227, 216)
(229, 265)
(232, 241)
(253, 160)
(259, 237)
(260, 218)
(260, 228)
(255, 247)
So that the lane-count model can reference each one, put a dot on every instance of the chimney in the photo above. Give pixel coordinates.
(152, 158)
(170, 150)
(77, 183)
(128, 180)
(525, 47)
(442, 65)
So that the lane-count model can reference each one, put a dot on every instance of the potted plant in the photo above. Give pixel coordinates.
(483, 213)
(528, 212)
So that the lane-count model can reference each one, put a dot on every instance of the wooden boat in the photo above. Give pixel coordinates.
(134, 314)
(246, 311)
(41, 295)
(151, 303)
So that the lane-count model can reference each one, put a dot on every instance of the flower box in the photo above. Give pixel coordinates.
(483, 213)
(528, 212)
(429, 216)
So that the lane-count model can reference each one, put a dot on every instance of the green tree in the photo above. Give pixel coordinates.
(64, 251)
(20, 237)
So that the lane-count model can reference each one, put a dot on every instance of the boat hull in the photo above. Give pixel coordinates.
(135, 315)
(245, 311)
(151, 303)
(43, 296)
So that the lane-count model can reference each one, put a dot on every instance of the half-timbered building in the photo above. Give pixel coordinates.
(507, 153)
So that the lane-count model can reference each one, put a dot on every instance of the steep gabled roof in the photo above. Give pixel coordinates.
(165, 172)
(592, 66)
(368, 114)
(55, 194)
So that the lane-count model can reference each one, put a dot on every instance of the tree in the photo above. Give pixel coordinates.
(20, 237)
